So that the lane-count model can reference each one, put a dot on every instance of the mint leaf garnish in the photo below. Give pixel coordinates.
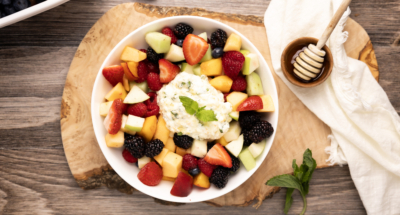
(299, 180)
(192, 107)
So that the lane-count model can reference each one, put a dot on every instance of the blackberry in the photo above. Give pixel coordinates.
(154, 148)
(247, 119)
(218, 38)
(183, 141)
(247, 141)
(181, 30)
(210, 145)
(135, 145)
(220, 177)
(235, 163)
(260, 131)
(153, 56)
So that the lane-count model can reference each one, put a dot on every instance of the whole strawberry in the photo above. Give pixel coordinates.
(205, 167)
(239, 84)
(232, 62)
(189, 162)
(153, 80)
(151, 174)
(138, 109)
(142, 71)
(168, 31)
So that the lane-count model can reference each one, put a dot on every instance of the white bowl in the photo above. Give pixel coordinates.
(31, 11)
(129, 171)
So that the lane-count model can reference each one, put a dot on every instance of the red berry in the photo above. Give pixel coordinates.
(128, 156)
(153, 110)
(168, 31)
(225, 95)
(142, 72)
(205, 167)
(232, 62)
(113, 120)
(189, 162)
(152, 99)
(168, 71)
(138, 109)
(113, 74)
(194, 48)
(251, 103)
(239, 84)
(152, 67)
(153, 80)
(143, 50)
(124, 108)
(151, 174)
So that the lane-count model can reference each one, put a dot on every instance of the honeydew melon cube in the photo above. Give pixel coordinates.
(124, 119)
(136, 95)
(185, 67)
(250, 64)
(134, 123)
(161, 43)
(233, 132)
(143, 86)
(197, 70)
(234, 115)
(254, 85)
(247, 159)
(175, 54)
(143, 161)
(207, 56)
(203, 35)
(105, 107)
(256, 149)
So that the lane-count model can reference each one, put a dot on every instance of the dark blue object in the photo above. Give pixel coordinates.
(5, 2)
(9, 9)
(179, 42)
(21, 4)
(217, 52)
(137, 164)
(2, 14)
(194, 171)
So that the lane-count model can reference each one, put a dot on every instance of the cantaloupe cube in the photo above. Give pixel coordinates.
(160, 157)
(149, 128)
(118, 92)
(233, 43)
(222, 83)
(162, 132)
(182, 152)
(170, 145)
(172, 165)
(212, 67)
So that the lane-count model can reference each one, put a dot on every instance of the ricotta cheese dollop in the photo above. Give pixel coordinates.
(198, 89)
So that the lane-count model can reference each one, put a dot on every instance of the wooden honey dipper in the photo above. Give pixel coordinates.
(309, 63)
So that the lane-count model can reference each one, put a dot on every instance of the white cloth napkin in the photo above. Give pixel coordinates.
(365, 126)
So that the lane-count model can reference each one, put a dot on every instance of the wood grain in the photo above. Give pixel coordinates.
(85, 159)
(29, 152)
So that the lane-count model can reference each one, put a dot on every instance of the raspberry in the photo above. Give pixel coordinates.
(135, 145)
(205, 167)
(124, 108)
(189, 162)
(153, 110)
(128, 156)
(138, 109)
(239, 84)
(142, 72)
(153, 148)
(225, 95)
(232, 62)
(153, 80)
(152, 99)
(220, 177)
(181, 30)
(183, 141)
(218, 38)
(152, 56)
(152, 67)
(168, 31)
(143, 50)
(260, 131)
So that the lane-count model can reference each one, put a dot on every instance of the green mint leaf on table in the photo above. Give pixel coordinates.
(190, 105)
(299, 180)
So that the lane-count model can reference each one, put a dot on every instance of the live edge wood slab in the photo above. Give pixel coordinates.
(297, 130)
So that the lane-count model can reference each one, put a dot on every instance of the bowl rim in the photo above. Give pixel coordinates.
(262, 60)
(291, 78)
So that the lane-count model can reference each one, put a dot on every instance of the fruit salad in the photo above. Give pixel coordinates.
(187, 108)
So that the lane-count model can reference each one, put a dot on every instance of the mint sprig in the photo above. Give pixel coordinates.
(299, 180)
(192, 108)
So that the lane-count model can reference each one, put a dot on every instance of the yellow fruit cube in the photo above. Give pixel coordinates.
(125, 82)
(160, 157)
(170, 144)
(104, 108)
(201, 180)
(212, 67)
(149, 128)
(182, 152)
(172, 165)
(118, 92)
(236, 98)
(132, 54)
(268, 104)
(162, 132)
(222, 83)
(165, 178)
(233, 43)
(133, 68)
(115, 140)
(222, 141)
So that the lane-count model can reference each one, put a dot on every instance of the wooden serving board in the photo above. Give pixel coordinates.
(297, 130)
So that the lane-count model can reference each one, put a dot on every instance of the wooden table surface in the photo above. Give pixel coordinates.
(34, 59)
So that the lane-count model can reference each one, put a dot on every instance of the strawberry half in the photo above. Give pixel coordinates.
(151, 174)
(168, 71)
(194, 48)
(218, 156)
(113, 120)
(251, 103)
(113, 74)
